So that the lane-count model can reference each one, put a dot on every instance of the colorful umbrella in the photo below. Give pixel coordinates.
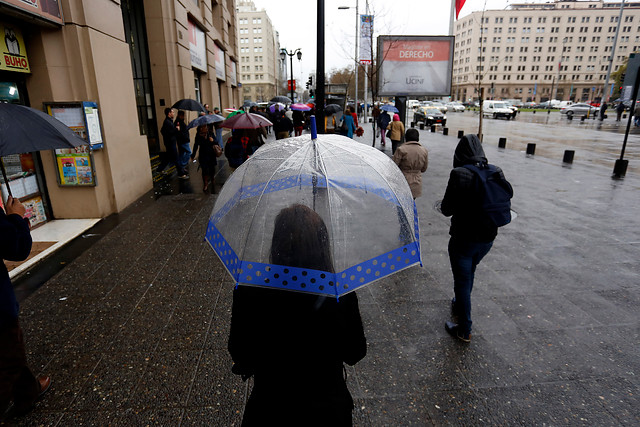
(389, 108)
(205, 120)
(246, 121)
(300, 107)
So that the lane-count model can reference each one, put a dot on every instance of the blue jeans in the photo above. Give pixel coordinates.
(464, 257)
(183, 156)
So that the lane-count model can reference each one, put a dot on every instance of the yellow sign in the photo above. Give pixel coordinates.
(13, 52)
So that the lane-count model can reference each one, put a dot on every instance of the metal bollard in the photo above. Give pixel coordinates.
(534, 111)
(460, 133)
(531, 149)
(413, 124)
(620, 168)
(568, 156)
(433, 128)
(583, 118)
(502, 142)
(569, 116)
(421, 126)
(445, 131)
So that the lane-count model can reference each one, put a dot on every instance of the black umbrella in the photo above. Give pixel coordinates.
(283, 99)
(24, 129)
(249, 104)
(189, 104)
(332, 108)
(205, 120)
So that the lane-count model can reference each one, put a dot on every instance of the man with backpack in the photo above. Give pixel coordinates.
(478, 199)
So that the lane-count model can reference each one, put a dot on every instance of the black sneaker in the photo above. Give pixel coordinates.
(454, 331)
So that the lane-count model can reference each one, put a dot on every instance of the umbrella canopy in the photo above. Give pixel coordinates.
(389, 108)
(332, 108)
(246, 121)
(300, 107)
(205, 120)
(278, 106)
(249, 104)
(189, 104)
(24, 129)
(359, 194)
(283, 99)
(234, 113)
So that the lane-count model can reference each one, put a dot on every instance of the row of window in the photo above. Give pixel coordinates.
(245, 40)
(257, 30)
(245, 68)
(245, 21)
(540, 30)
(543, 19)
(256, 49)
(248, 58)
(534, 77)
(247, 77)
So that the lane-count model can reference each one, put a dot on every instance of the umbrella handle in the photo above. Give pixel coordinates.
(314, 130)
(4, 175)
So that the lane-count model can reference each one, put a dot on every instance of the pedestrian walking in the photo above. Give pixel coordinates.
(603, 109)
(412, 159)
(396, 132)
(208, 158)
(282, 126)
(375, 114)
(383, 122)
(298, 122)
(19, 388)
(235, 149)
(295, 344)
(170, 138)
(184, 144)
(636, 115)
(619, 111)
(347, 126)
(472, 234)
(263, 113)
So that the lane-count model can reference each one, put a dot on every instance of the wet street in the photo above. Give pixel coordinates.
(134, 330)
(594, 141)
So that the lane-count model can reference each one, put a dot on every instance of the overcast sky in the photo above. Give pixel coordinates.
(296, 23)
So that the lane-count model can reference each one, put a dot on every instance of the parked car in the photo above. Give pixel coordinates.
(512, 108)
(430, 116)
(455, 107)
(440, 106)
(496, 109)
(579, 109)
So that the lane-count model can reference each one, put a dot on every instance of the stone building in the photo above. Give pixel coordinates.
(107, 69)
(540, 51)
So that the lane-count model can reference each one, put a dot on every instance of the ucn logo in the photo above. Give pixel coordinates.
(414, 80)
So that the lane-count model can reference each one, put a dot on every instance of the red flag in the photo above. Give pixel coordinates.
(459, 4)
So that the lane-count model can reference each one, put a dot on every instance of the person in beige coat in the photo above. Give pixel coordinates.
(412, 159)
(396, 130)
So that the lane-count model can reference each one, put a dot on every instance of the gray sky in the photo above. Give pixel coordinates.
(296, 23)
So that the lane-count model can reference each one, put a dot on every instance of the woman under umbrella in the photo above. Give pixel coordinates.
(289, 341)
(208, 156)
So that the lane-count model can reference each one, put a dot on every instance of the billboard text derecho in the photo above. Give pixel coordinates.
(415, 65)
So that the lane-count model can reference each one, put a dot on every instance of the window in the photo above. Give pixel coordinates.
(527, 20)
(542, 19)
(498, 20)
(585, 19)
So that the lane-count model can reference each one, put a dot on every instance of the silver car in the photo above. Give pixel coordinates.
(580, 109)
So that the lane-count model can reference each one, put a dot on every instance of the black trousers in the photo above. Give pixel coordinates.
(17, 383)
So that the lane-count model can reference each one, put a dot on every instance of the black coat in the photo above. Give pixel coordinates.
(15, 245)
(182, 135)
(295, 346)
(169, 133)
(461, 194)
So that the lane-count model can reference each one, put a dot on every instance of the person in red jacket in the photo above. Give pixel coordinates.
(19, 388)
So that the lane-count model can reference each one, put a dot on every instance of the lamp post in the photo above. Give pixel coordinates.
(355, 97)
(283, 56)
(555, 96)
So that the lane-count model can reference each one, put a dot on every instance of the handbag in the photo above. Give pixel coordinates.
(343, 127)
(218, 150)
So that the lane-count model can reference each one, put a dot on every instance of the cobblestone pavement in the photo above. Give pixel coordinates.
(134, 331)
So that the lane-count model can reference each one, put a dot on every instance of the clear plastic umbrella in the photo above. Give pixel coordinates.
(360, 194)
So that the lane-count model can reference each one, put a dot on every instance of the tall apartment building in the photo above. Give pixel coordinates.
(259, 53)
(535, 52)
(108, 69)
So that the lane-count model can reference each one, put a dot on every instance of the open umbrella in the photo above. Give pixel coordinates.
(278, 106)
(205, 120)
(249, 104)
(300, 107)
(234, 113)
(283, 99)
(246, 121)
(332, 108)
(24, 129)
(189, 104)
(389, 108)
(358, 192)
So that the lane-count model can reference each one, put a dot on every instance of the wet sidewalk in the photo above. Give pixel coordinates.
(134, 331)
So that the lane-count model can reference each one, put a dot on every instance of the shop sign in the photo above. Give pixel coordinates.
(45, 9)
(233, 75)
(197, 47)
(13, 52)
(219, 54)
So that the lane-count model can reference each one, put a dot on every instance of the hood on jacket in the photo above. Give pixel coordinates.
(469, 151)
(396, 118)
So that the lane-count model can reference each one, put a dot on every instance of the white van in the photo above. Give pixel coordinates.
(496, 109)
(564, 104)
(412, 104)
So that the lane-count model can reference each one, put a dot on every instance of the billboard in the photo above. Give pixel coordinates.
(415, 65)
(46, 9)
(13, 52)
(197, 47)
(366, 38)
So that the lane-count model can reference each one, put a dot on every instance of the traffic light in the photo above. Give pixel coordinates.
(311, 93)
(310, 82)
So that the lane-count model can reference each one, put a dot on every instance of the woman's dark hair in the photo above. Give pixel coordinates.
(300, 239)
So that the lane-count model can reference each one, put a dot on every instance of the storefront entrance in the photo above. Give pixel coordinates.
(24, 171)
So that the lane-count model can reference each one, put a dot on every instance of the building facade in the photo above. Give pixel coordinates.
(535, 52)
(259, 53)
(108, 69)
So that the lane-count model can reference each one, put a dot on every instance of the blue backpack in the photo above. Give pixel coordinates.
(495, 194)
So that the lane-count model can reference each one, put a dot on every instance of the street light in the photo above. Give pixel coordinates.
(355, 97)
(555, 96)
(283, 56)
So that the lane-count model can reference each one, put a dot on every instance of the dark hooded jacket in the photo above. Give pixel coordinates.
(461, 196)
